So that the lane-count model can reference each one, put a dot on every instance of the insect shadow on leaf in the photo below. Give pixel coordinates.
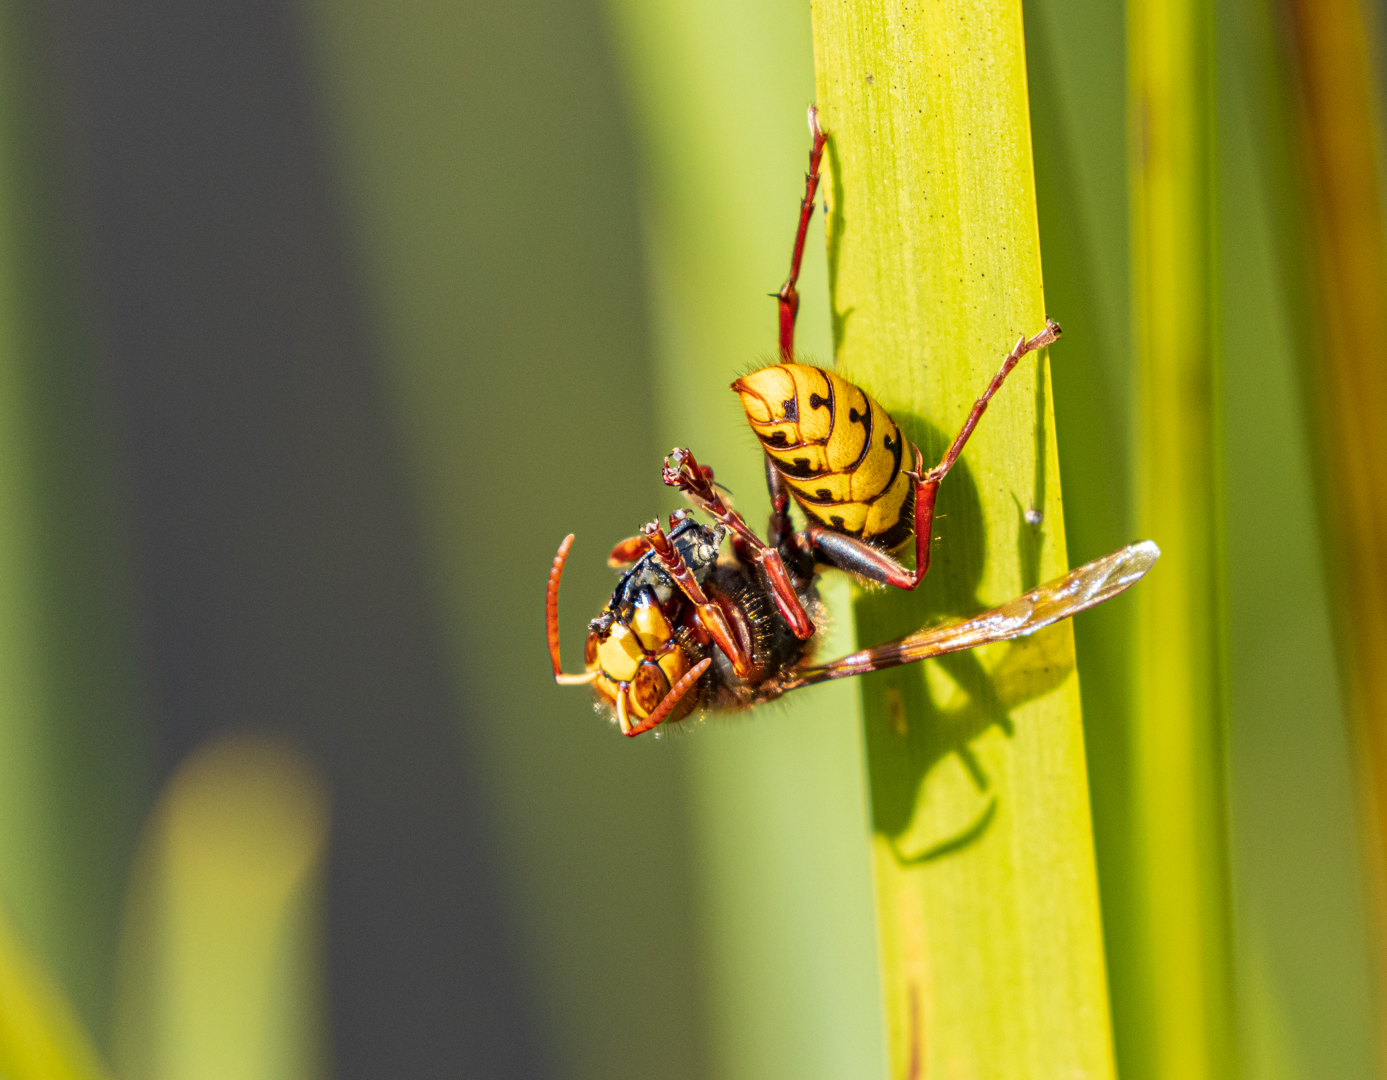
(918, 719)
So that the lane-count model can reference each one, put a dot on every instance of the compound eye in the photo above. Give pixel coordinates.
(590, 650)
(649, 688)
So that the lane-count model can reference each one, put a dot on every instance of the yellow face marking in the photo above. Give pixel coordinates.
(605, 687)
(675, 664)
(651, 627)
(620, 654)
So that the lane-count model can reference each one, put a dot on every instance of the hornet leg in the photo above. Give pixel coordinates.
(676, 692)
(860, 557)
(710, 615)
(696, 482)
(788, 296)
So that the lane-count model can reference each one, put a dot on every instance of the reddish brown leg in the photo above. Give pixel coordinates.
(710, 616)
(860, 557)
(551, 619)
(676, 692)
(696, 482)
(781, 527)
(788, 296)
(627, 551)
(1047, 336)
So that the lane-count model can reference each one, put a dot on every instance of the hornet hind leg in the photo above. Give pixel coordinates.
(858, 556)
(788, 296)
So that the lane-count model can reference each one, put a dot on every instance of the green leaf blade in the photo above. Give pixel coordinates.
(986, 893)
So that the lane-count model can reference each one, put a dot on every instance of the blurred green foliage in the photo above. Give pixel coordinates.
(73, 766)
(1301, 942)
(41, 1037)
(481, 157)
(1181, 1022)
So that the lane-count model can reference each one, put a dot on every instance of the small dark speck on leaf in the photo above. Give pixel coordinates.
(871, 79)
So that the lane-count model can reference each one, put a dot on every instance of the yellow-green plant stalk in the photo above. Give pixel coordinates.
(1180, 903)
(1348, 375)
(987, 903)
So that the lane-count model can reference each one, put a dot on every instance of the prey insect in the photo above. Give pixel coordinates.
(691, 626)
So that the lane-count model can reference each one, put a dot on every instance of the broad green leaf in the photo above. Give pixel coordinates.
(987, 903)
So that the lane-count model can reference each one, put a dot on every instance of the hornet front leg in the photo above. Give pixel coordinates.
(696, 482)
(710, 615)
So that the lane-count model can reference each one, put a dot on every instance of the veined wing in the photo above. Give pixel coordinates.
(1078, 590)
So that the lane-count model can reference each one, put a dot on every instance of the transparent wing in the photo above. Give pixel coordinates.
(1077, 591)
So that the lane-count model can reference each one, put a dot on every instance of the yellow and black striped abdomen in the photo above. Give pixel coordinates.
(838, 450)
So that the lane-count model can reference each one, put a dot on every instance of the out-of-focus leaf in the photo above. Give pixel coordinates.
(1303, 943)
(221, 966)
(1345, 380)
(73, 764)
(1180, 966)
(41, 1037)
(488, 193)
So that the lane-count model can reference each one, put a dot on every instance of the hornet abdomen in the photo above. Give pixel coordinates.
(839, 452)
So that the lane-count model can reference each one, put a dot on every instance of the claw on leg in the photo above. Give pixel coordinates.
(918, 473)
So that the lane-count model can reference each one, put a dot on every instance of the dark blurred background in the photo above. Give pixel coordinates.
(224, 511)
